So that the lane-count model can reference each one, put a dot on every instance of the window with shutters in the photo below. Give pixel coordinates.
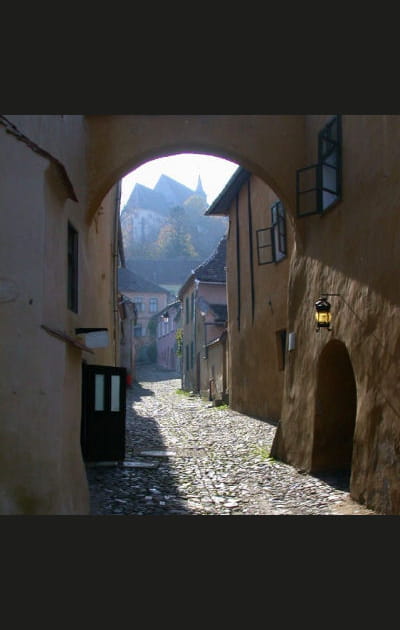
(271, 241)
(319, 186)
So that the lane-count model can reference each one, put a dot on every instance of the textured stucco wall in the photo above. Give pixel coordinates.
(166, 341)
(255, 375)
(352, 250)
(216, 366)
(42, 470)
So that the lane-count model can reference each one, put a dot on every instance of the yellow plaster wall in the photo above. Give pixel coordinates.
(255, 376)
(41, 464)
(352, 250)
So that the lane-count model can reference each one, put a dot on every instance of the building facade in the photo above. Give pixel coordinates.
(58, 278)
(168, 323)
(202, 296)
(149, 299)
(128, 318)
(259, 245)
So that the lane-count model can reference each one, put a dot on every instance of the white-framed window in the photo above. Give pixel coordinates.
(140, 304)
(153, 305)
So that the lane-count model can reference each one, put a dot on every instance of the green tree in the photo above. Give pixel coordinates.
(174, 238)
(179, 341)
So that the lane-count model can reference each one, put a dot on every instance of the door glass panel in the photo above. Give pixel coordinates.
(99, 392)
(115, 385)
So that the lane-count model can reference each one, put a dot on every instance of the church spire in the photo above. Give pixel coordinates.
(200, 189)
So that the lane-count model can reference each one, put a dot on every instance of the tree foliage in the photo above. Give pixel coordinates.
(179, 341)
(174, 238)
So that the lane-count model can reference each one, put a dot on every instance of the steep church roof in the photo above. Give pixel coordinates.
(143, 197)
(174, 192)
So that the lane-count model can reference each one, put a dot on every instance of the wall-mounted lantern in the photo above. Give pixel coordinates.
(165, 317)
(323, 316)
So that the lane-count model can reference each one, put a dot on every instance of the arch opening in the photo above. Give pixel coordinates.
(186, 169)
(218, 152)
(335, 415)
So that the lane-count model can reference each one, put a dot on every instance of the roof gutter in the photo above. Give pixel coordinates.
(222, 203)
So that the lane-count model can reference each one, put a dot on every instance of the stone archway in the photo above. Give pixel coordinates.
(335, 411)
(117, 144)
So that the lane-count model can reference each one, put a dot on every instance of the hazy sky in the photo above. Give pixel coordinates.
(185, 168)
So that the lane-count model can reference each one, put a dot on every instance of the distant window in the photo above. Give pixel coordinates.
(137, 331)
(271, 241)
(153, 305)
(140, 305)
(72, 280)
(278, 223)
(192, 305)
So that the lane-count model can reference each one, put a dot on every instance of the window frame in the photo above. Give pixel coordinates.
(140, 303)
(278, 224)
(329, 161)
(274, 237)
(153, 305)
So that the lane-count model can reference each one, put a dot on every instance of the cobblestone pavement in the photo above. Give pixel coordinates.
(184, 456)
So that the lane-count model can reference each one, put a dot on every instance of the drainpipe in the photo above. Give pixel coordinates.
(116, 246)
(196, 289)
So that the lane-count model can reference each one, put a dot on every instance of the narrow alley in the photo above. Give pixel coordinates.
(184, 456)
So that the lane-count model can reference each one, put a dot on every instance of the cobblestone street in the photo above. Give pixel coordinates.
(186, 457)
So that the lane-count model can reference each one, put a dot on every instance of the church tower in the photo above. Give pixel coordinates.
(200, 190)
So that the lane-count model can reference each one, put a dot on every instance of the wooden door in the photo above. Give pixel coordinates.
(103, 413)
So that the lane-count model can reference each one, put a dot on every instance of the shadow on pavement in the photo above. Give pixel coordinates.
(143, 484)
(138, 391)
(339, 480)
